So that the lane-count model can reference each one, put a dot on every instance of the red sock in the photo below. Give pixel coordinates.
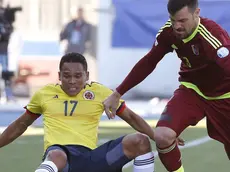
(170, 157)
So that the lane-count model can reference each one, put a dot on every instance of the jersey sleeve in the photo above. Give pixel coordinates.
(35, 104)
(149, 62)
(217, 47)
(162, 44)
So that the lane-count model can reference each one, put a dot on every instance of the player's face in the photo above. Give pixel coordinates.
(73, 78)
(184, 22)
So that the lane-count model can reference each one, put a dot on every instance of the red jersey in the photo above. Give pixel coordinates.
(205, 59)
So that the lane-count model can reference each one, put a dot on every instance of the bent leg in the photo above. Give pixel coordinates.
(218, 120)
(55, 159)
(184, 109)
(138, 146)
(108, 157)
(113, 155)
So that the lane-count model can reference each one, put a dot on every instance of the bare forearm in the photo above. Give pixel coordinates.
(12, 132)
(142, 126)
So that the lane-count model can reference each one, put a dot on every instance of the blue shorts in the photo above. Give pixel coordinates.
(81, 158)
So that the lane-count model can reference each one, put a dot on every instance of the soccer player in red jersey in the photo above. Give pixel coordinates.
(203, 47)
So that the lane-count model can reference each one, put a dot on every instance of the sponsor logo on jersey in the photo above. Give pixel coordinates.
(88, 95)
(55, 97)
(223, 52)
(195, 50)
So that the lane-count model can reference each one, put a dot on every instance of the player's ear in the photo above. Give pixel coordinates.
(197, 12)
(87, 75)
(59, 76)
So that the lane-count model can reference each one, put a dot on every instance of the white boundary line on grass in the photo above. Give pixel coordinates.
(190, 144)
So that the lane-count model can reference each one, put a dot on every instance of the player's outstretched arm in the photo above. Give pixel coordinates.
(140, 124)
(16, 129)
(136, 122)
(139, 72)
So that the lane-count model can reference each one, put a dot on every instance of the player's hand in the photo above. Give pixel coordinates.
(180, 141)
(111, 104)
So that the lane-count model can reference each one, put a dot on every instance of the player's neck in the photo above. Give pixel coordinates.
(195, 26)
(197, 23)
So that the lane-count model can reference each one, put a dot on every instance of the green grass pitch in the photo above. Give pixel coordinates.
(25, 154)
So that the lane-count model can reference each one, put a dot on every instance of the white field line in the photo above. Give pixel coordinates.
(190, 144)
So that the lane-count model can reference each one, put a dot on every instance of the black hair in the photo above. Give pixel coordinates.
(75, 58)
(176, 5)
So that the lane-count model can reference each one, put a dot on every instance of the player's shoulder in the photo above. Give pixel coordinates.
(165, 30)
(98, 89)
(47, 89)
(96, 86)
(212, 33)
(47, 92)
(208, 25)
(165, 35)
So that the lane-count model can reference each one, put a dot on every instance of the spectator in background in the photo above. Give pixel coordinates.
(5, 31)
(7, 17)
(77, 33)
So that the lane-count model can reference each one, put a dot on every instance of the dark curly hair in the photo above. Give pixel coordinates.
(176, 5)
(75, 58)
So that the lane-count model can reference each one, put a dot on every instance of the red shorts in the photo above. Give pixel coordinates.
(187, 108)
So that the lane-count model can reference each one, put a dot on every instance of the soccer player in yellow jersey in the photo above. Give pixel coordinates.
(71, 113)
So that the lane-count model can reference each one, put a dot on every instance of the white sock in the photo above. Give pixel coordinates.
(144, 163)
(47, 166)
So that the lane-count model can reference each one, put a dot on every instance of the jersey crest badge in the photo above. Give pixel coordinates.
(88, 95)
(195, 50)
(223, 52)
(55, 97)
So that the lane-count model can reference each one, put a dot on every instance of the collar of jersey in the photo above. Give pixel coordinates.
(193, 34)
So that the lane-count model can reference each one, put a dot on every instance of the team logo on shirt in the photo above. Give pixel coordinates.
(55, 97)
(88, 95)
(156, 43)
(195, 50)
(223, 52)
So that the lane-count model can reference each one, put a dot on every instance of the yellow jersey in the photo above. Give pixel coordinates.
(70, 120)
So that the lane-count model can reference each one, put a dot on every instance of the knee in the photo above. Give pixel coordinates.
(164, 136)
(141, 143)
(136, 144)
(58, 157)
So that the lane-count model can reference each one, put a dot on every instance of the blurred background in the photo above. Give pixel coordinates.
(113, 35)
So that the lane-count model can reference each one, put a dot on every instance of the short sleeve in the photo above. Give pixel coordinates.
(34, 105)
